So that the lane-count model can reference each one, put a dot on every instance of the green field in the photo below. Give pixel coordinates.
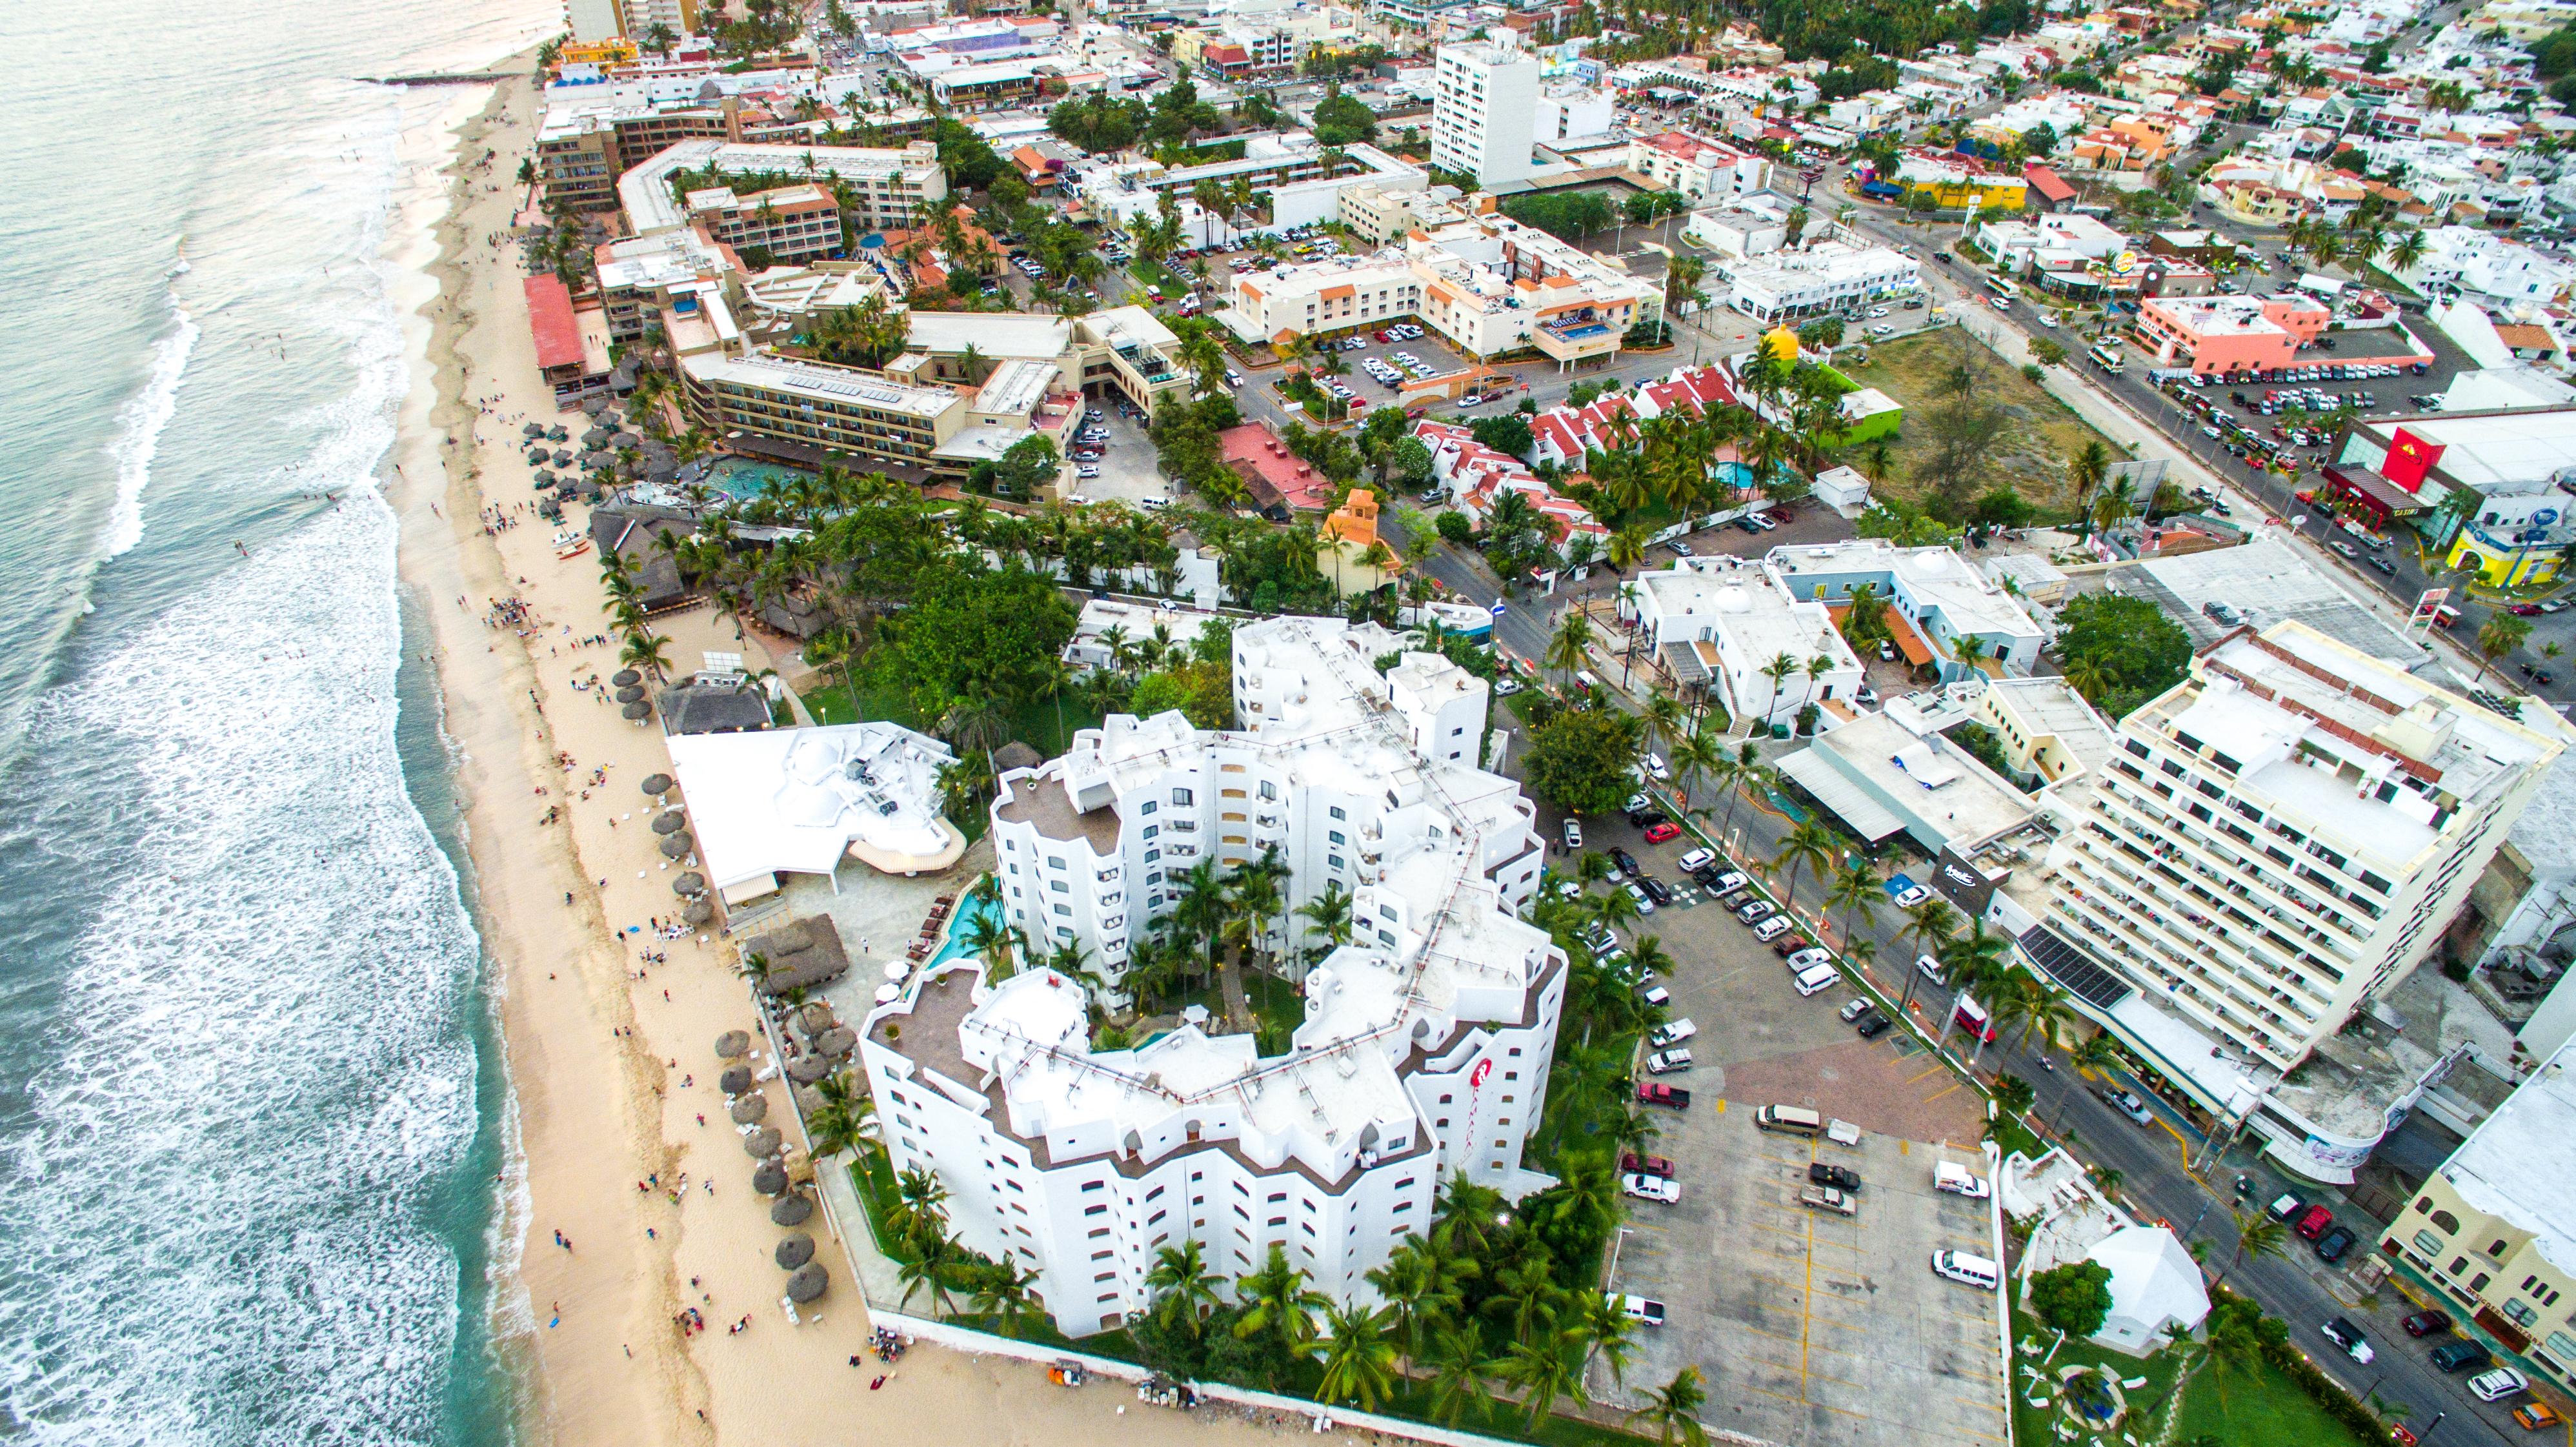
(2039, 435)
(2238, 1408)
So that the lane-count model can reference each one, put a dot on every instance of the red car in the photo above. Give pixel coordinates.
(1646, 1165)
(1658, 833)
(2524, 610)
(1650, 1093)
(2312, 1222)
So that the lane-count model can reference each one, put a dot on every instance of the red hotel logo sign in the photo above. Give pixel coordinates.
(2410, 459)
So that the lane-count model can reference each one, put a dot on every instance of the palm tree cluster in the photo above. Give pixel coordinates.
(639, 647)
(912, 1227)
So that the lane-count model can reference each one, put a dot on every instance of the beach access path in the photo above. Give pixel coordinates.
(610, 1058)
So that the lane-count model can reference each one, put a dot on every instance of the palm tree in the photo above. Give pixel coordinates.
(1419, 1283)
(1329, 914)
(650, 652)
(1855, 892)
(929, 1269)
(1184, 1289)
(1778, 670)
(1002, 1293)
(1278, 1303)
(1927, 927)
(2258, 1236)
(1459, 1375)
(1734, 775)
(1808, 846)
(1538, 1366)
(1359, 1361)
(1602, 1325)
(1569, 648)
(1673, 1410)
(2044, 1009)
(920, 1206)
(2085, 470)
(1525, 1293)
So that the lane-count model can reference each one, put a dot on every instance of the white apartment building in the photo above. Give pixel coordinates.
(885, 189)
(1934, 600)
(1326, 296)
(1573, 114)
(1698, 167)
(1484, 112)
(792, 223)
(2488, 269)
(2281, 836)
(1426, 1040)
(1823, 277)
(1730, 622)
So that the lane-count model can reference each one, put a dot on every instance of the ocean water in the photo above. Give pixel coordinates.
(255, 1145)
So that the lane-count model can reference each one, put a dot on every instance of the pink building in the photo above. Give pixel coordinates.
(2222, 335)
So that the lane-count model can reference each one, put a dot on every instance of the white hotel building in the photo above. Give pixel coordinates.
(1786, 285)
(2282, 835)
(1426, 1040)
(1484, 112)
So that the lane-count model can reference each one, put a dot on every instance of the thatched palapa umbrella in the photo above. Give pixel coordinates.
(733, 1045)
(814, 1018)
(806, 1069)
(790, 1211)
(677, 846)
(638, 710)
(794, 1251)
(735, 1080)
(697, 911)
(837, 1042)
(630, 693)
(762, 1143)
(622, 678)
(769, 1178)
(533, 429)
(689, 885)
(671, 823)
(750, 1110)
(809, 1283)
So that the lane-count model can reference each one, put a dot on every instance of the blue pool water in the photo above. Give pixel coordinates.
(954, 945)
(1734, 474)
(745, 477)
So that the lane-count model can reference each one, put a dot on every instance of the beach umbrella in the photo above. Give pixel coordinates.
(637, 710)
(621, 678)
(814, 1018)
(537, 458)
(556, 434)
(592, 405)
(794, 1251)
(836, 1043)
(675, 846)
(790, 1211)
(735, 1080)
(563, 457)
(670, 823)
(697, 911)
(806, 1069)
(762, 1143)
(546, 477)
(534, 429)
(769, 1178)
(628, 439)
(630, 693)
(808, 1283)
(690, 884)
(808, 1099)
(895, 970)
(888, 994)
(750, 1110)
(733, 1045)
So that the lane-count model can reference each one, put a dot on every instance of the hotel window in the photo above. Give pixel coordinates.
(1180, 798)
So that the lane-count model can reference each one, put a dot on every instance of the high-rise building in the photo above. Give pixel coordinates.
(2282, 835)
(1484, 112)
(1425, 1040)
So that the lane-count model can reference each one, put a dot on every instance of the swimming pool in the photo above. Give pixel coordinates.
(954, 945)
(748, 477)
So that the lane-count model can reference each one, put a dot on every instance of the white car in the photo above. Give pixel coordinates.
(1644, 1310)
(1931, 969)
(1645, 901)
(2492, 1386)
(1507, 686)
(1086, 472)
(1727, 883)
(1913, 895)
(1656, 766)
(1772, 928)
(1651, 1188)
(1673, 1033)
(1665, 1062)
(1656, 996)
(1697, 860)
(1854, 1010)
(1807, 959)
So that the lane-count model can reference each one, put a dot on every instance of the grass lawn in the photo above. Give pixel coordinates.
(2257, 1409)
(1150, 274)
(2031, 1341)
(2039, 435)
(1046, 726)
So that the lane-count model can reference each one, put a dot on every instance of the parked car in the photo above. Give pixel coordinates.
(1826, 1198)
(2126, 1102)
(2460, 1356)
(1672, 1032)
(1772, 928)
(2347, 1336)
(1665, 1062)
(1841, 1178)
(1752, 910)
(2499, 1384)
(2313, 1222)
(1651, 1188)
(1647, 1165)
(1658, 833)
(2428, 1323)
(2285, 1208)
(2536, 1416)
(1855, 1008)
(1645, 901)
(1573, 833)
(1803, 959)
(1912, 895)
(1674, 1096)
(1696, 860)
(1871, 1026)
(1641, 1309)
(1789, 944)
(1656, 890)
(2335, 1244)
(1723, 882)
(1627, 862)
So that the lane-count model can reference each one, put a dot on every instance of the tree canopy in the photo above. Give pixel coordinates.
(1580, 759)
(2075, 1298)
(1341, 120)
(974, 634)
(2120, 651)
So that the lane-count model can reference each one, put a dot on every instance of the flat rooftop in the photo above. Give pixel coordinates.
(2267, 576)
(2519, 446)
(1935, 577)
(823, 383)
(991, 334)
(2518, 1162)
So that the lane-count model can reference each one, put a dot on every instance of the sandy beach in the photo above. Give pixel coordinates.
(609, 1055)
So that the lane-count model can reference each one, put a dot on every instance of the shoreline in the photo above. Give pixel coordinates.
(622, 1140)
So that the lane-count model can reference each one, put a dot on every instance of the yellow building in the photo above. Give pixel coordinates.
(619, 51)
(1954, 185)
(1348, 534)
(2479, 1238)
(2502, 564)
(2047, 731)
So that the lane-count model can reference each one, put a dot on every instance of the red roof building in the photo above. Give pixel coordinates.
(2052, 188)
(551, 322)
(1275, 476)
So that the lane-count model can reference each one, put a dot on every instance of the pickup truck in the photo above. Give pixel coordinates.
(1649, 1093)
(1841, 1178)
(1826, 1198)
(1651, 1188)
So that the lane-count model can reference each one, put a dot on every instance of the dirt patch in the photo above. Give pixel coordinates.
(2032, 452)
(1911, 1096)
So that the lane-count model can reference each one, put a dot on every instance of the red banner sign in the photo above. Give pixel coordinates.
(2410, 459)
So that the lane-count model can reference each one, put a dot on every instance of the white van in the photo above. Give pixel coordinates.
(1967, 1270)
(1789, 1119)
(1958, 1180)
(1818, 977)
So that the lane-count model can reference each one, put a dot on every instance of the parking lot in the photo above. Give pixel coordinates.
(1429, 349)
(1126, 464)
(1810, 1327)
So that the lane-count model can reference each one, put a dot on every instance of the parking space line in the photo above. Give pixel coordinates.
(1937, 1068)
(1954, 1085)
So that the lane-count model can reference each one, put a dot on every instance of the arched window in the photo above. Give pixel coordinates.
(2445, 1222)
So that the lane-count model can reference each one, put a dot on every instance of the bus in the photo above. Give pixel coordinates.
(2003, 287)
(2106, 355)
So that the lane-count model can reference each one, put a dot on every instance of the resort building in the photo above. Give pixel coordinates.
(1287, 173)
(2219, 335)
(2048, 733)
(2491, 1236)
(881, 190)
(1827, 276)
(799, 801)
(1696, 166)
(1484, 112)
(790, 224)
(1937, 604)
(1425, 1041)
(1733, 625)
(2283, 835)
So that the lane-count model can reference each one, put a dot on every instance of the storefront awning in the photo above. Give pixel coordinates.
(1908, 642)
(1867, 817)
